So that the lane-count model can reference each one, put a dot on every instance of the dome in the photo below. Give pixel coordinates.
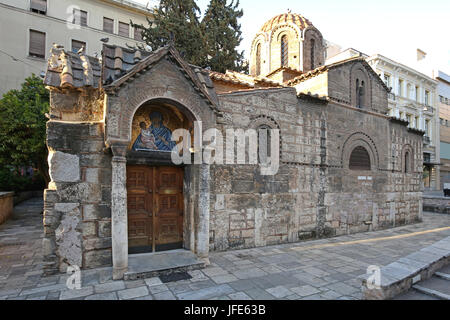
(285, 18)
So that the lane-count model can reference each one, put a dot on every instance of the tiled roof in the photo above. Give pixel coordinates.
(118, 61)
(285, 18)
(244, 80)
(307, 75)
(118, 66)
(67, 69)
(230, 78)
(322, 69)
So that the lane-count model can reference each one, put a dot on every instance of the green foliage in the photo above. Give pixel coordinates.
(223, 36)
(10, 180)
(210, 43)
(177, 20)
(23, 126)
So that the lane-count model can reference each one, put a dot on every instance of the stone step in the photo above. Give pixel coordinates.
(150, 265)
(442, 275)
(431, 292)
(415, 295)
(437, 284)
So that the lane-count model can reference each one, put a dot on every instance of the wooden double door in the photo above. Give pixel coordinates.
(155, 208)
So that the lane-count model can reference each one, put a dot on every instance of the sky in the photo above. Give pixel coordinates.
(393, 28)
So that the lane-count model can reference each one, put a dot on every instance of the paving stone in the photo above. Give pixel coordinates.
(103, 296)
(42, 289)
(134, 284)
(342, 288)
(239, 296)
(225, 278)
(304, 291)
(197, 275)
(249, 273)
(148, 297)
(73, 294)
(206, 293)
(109, 286)
(242, 285)
(259, 294)
(158, 289)
(214, 271)
(133, 293)
(279, 292)
(155, 281)
(166, 295)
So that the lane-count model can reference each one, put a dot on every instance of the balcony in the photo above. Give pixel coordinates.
(428, 109)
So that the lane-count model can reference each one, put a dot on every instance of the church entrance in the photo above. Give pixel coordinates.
(155, 208)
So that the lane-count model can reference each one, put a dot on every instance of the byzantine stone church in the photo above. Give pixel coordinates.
(115, 195)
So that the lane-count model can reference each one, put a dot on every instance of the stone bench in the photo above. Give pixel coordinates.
(399, 276)
(6, 205)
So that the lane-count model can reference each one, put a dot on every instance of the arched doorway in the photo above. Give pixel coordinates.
(155, 194)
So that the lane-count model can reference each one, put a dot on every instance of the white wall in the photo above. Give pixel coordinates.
(15, 23)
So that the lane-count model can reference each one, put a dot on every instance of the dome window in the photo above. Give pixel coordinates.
(284, 51)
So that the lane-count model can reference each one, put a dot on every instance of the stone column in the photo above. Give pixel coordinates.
(119, 218)
(202, 245)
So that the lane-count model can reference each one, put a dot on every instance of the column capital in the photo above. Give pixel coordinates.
(119, 150)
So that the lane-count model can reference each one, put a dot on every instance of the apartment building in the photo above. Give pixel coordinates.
(29, 28)
(413, 98)
(443, 91)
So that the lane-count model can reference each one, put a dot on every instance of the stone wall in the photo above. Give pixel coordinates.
(314, 194)
(77, 212)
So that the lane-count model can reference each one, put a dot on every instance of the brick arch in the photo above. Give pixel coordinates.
(319, 58)
(257, 121)
(411, 167)
(292, 33)
(260, 39)
(358, 71)
(360, 139)
(120, 111)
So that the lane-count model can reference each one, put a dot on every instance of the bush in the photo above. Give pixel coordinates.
(10, 180)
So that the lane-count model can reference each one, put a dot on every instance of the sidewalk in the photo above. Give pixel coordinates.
(320, 269)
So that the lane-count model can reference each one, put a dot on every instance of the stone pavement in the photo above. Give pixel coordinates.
(319, 269)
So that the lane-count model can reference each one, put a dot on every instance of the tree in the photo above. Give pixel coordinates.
(210, 43)
(177, 21)
(23, 127)
(223, 35)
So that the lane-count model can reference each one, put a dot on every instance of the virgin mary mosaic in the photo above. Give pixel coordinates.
(153, 127)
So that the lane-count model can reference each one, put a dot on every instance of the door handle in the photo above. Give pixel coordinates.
(150, 191)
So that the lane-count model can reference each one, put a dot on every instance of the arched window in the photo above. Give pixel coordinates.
(359, 159)
(264, 144)
(284, 51)
(360, 93)
(313, 44)
(407, 162)
(258, 59)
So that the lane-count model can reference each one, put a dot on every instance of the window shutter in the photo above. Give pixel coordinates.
(37, 44)
(124, 29)
(39, 6)
(138, 34)
(108, 25)
(80, 17)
